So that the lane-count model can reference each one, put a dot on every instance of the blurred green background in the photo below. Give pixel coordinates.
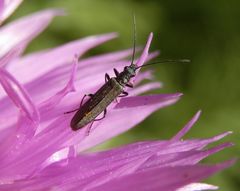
(207, 32)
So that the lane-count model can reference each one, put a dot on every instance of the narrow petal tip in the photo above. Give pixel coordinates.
(227, 163)
(218, 137)
(150, 36)
(144, 54)
(175, 95)
(197, 187)
(187, 127)
(178, 95)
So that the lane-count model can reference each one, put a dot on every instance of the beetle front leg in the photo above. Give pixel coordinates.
(124, 94)
(107, 77)
(116, 72)
(90, 95)
(130, 85)
(71, 111)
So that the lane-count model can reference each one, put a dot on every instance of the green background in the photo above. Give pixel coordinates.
(207, 32)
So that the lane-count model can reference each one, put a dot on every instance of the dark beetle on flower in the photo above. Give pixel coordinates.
(98, 102)
(113, 88)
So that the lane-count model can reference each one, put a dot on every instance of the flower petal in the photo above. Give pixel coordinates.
(7, 7)
(197, 187)
(144, 88)
(54, 100)
(149, 180)
(19, 33)
(103, 166)
(29, 115)
(107, 58)
(51, 59)
(19, 96)
(180, 158)
(144, 54)
(187, 127)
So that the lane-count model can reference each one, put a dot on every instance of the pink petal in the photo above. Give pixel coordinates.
(29, 115)
(144, 75)
(144, 88)
(187, 127)
(20, 32)
(180, 158)
(11, 54)
(53, 58)
(55, 100)
(19, 96)
(197, 187)
(1, 6)
(107, 58)
(97, 166)
(144, 55)
(172, 178)
(7, 7)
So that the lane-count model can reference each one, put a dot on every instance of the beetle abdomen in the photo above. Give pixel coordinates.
(96, 104)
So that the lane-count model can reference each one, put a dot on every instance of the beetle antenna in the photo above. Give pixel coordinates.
(166, 61)
(134, 38)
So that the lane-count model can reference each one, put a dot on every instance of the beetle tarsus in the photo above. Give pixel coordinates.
(116, 72)
(129, 85)
(104, 115)
(71, 111)
(124, 94)
(107, 77)
(90, 95)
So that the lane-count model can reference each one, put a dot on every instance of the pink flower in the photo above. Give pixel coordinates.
(38, 149)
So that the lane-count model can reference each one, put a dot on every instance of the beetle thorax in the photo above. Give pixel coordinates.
(125, 76)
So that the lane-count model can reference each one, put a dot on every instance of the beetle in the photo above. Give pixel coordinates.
(105, 95)
(113, 88)
(98, 102)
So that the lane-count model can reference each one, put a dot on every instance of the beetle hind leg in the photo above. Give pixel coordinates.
(104, 115)
(90, 126)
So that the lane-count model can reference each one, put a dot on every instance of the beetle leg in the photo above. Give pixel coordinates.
(90, 127)
(104, 115)
(130, 85)
(82, 100)
(90, 95)
(124, 94)
(116, 72)
(71, 111)
(107, 77)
